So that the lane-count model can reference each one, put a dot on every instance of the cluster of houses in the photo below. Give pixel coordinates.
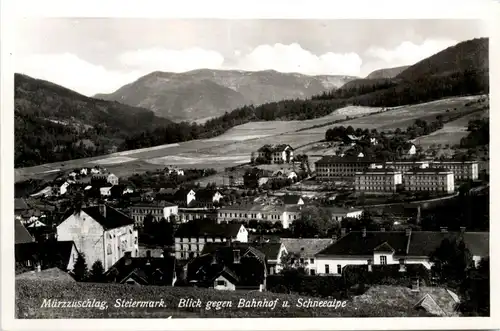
(375, 177)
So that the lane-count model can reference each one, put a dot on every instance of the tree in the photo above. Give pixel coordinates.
(97, 272)
(292, 262)
(314, 221)
(451, 261)
(80, 270)
(475, 291)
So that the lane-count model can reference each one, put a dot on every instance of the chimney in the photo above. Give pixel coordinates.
(363, 232)
(408, 232)
(102, 210)
(444, 229)
(342, 232)
(415, 284)
(236, 256)
(334, 238)
(402, 266)
(462, 229)
(370, 269)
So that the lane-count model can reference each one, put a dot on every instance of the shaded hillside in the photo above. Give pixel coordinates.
(202, 94)
(468, 55)
(386, 73)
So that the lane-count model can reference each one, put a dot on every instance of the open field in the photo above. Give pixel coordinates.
(235, 146)
(402, 117)
(450, 134)
(271, 128)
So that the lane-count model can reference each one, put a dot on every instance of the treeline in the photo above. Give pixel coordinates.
(479, 134)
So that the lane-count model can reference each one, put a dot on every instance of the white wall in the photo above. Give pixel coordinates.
(389, 257)
(242, 235)
(321, 262)
(228, 287)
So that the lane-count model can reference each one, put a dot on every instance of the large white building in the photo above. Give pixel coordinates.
(158, 210)
(394, 247)
(285, 214)
(100, 233)
(429, 179)
(378, 180)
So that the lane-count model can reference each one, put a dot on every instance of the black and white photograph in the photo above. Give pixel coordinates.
(179, 168)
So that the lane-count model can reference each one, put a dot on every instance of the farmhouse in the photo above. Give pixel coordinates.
(276, 153)
(393, 247)
(158, 210)
(191, 237)
(100, 232)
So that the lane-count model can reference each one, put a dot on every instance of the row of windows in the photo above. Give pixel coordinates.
(206, 239)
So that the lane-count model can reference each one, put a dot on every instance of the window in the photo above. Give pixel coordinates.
(327, 268)
(301, 260)
(311, 261)
(312, 272)
(383, 259)
(339, 269)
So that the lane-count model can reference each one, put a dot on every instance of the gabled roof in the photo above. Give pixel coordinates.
(348, 159)
(205, 195)
(354, 243)
(113, 219)
(274, 148)
(305, 246)
(424, 243)
(269, 251)
(145, 270)
(21, 234)
(201, 228)
(20, 204)
(250, 271)
(290, 199)
(384, 247)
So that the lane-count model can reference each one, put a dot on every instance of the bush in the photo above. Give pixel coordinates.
(385, 275)
(316, 286)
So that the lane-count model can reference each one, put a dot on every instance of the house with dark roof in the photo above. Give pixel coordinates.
(291, 199)
(394, 247)
(271, 251)
(100, 233)
(229, 267)
(207, 197)
(21, 234)
(146, 270)
(191, 237)
(47, 254)
(306, 249)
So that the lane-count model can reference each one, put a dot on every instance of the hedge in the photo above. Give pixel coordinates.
(385, 275)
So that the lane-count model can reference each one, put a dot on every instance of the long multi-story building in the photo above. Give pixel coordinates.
(378, 180)
(159, 210)
(429, 179)
(337, 167)
(285, 214)
(462, 170)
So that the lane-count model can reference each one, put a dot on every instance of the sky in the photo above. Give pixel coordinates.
(99, 55)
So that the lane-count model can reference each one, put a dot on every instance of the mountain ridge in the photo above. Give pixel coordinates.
(164, 92)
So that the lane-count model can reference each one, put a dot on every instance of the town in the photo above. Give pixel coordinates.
(333, 181)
